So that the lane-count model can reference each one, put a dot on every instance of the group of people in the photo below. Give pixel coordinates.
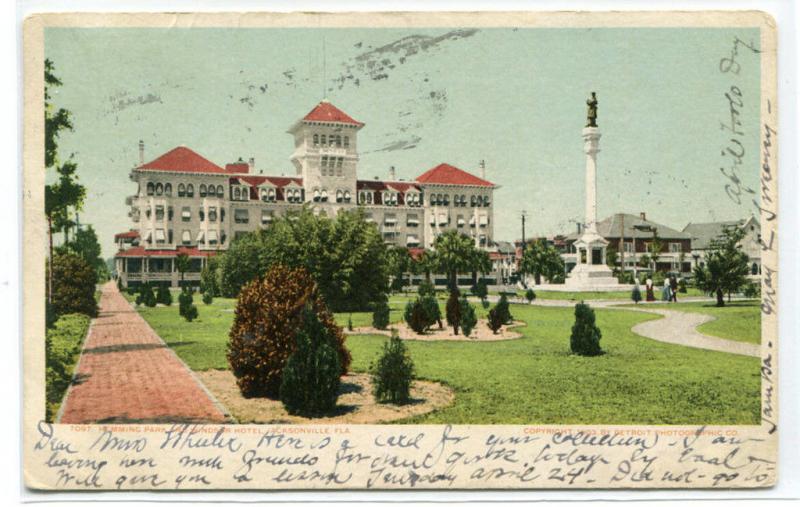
(669, 292)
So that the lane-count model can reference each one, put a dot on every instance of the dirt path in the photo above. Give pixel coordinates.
(126, 373)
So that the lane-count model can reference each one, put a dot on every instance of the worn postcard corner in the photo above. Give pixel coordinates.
(506, 250)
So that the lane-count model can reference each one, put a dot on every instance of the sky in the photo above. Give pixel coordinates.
(515, 98)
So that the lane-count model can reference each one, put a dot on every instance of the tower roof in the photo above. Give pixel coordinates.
(182, 159)
(328, 113)
(446, 174)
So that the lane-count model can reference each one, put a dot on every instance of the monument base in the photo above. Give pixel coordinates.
(592, 277)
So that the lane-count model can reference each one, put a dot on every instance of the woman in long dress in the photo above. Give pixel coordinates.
(649, 288)
(665, 292)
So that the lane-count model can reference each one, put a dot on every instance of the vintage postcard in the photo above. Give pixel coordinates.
(400, 251)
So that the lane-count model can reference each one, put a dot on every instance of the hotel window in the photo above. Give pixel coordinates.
(317, 195)
(412, 220)
(338, 141)
(390, 220)
(323, 196)
(369, 197)
(346, 142)
(241, 216)
(339, 196)
(346, 196)
(266, 217)
(202, 214)
(433, 199)
(169, 236)
(170, 213)
(189, 190)
(202, 190)
(361, 198)
(323, 140)
(412, 240)
(237, 193)
(150, 188)
(186, 237)
(159, 189)
(460, 222)
(472, 200)
(181, 190)
(212, 214)
(486, 200)
(212, 237)
(159, 212)
(160, 238)
(220, 192)
(200, 237)
(472, 221)
(463, 200)
(675, 247)
(168, 189)
(446, 200)
(443, 219)
(483, 220)
(186, 213)
(627, 247)
(222, 214)
(147, 213)
(316, 139)
(368, 218)
(222, 236)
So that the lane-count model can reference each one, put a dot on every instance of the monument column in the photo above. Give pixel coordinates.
(591, 142)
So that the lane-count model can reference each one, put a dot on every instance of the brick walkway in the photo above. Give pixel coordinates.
(127, 374)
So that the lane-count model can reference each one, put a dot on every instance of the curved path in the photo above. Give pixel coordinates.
(126, 373)
(679, 328)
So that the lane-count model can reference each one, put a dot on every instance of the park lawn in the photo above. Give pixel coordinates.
(737, 320)
(535, 379)
(591, 295)
(66, 340)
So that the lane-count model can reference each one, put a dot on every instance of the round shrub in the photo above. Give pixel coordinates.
(502, 307)
(393, 373)
(163, 296)
(74, 284)
(636, 294)
(208, 298)
(585, 338)
(430, 305)
(146, 296)
(262, 337)
(416, 317)
(380, 315)
(186, 307)
(468, 318)
(311, 377)
(495, 321)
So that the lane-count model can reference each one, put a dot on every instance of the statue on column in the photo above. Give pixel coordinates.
(591, 116)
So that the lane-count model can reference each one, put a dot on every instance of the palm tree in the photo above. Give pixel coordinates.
(456, 253)
(541, 259)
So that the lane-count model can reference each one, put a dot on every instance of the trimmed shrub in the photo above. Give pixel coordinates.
(468, 318)
(62, 348)
(209, 277)
(163, 296)
(530, 295)
(503, 310)
(393, 373)
(495, 321)
(636, 294)
(426, 288)
(453, 310)
(74, 284)
(752, 290)
(585, 338)
(186, 307)
(262, 337)
(208, 298)
(682, 286)
(349, 322)
(480, 290)
(311, 377)
(380, 315)
(146, 296)
(416, 317)
(432, 312)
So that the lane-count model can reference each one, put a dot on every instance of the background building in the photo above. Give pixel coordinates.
(703, 235)
(185, 203)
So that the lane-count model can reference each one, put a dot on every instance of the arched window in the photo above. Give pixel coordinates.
(202, 190)
(159, 189)
(339, 196)
(463, 200)
(189, 190)
(168, 189)
(338, 141)
(369, 197)
(472, 200)
(237, 194)
(346, 142)
(316, 139)
(317, 195)
(264, 196)
(323, 195)
(202, 214)
(220, 192)
(346, 196)
(433, 199)
(754, 269)
(181, 190)
(150, 188)
(485, 200)
(323, 141)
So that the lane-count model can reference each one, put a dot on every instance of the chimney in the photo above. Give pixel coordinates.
(579, 226)
(251, 164)
(483, 169)
(141, 152)
(642, 215)
(392, 174)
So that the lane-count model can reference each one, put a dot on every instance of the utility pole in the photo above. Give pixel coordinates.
(622, 243)
(523, 215)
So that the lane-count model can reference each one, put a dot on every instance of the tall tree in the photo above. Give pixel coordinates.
(456, 253)
(398, 263)
(66, 192)
(86, 245)
(541, 260)
(726, 265)
(182, 264)
(654, 248)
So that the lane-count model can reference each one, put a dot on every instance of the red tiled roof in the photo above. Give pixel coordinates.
(182, 159)
(401, 186)
(446, 174)
(140, 251)
(238, 167)
(327, 112)
(127, 234)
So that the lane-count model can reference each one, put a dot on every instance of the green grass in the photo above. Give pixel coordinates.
(66, 339)
(591, 295)
(737, 320)
(535, 379)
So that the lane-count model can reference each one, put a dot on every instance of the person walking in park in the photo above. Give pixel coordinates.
(649, 289)
(665, 292)
(673, 287)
